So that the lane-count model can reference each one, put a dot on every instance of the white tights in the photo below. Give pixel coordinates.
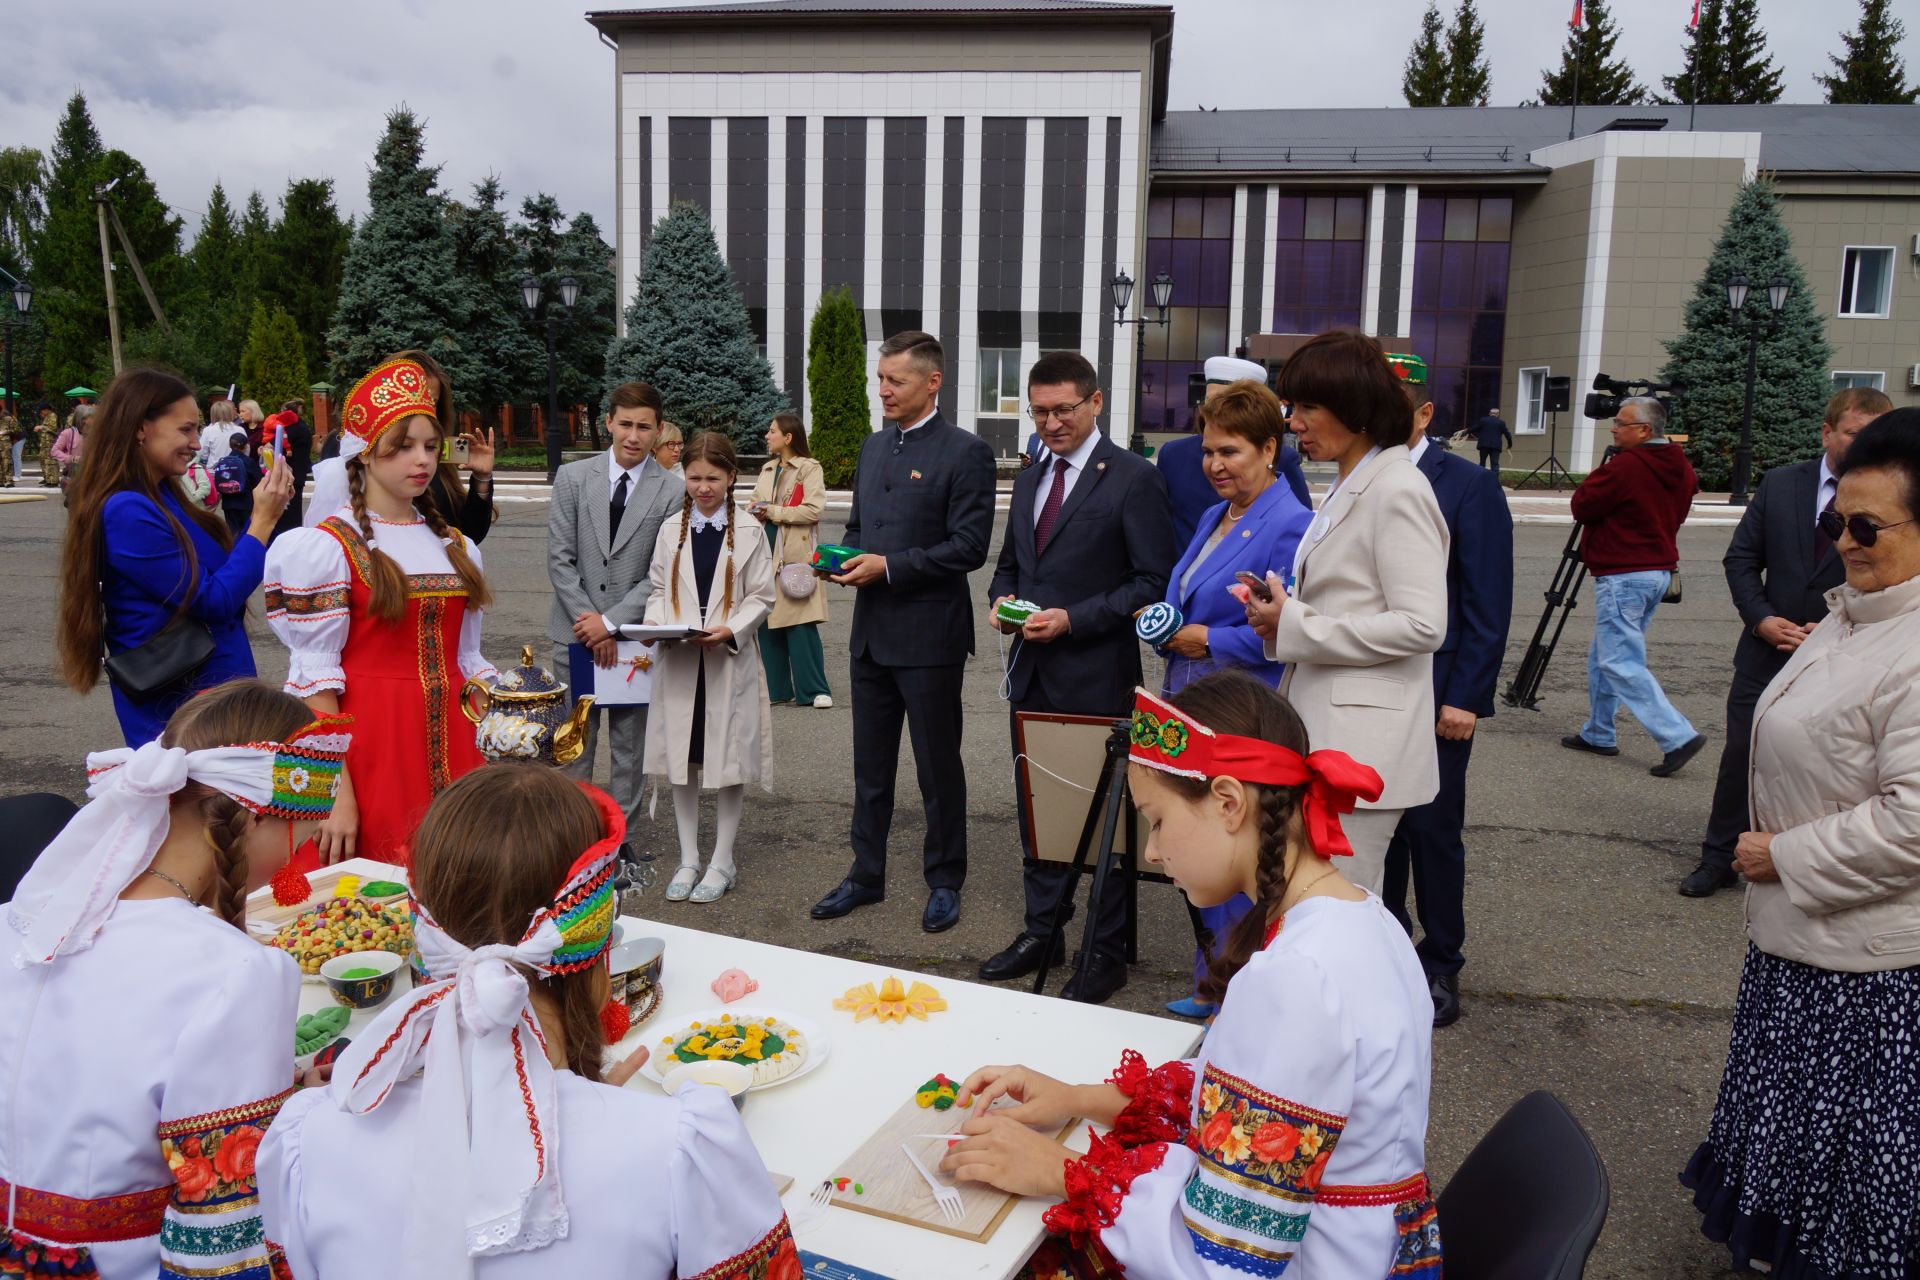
(686, 816)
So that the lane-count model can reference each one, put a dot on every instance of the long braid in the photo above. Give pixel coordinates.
(686, 523)
(389, 585)
(479, 596)
(226, 827)
(733, 518)
(1279, 821)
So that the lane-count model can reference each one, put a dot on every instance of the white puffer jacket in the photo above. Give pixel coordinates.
(1836, 777)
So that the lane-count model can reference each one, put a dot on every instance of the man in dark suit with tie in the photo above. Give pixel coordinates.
(1778, 568)
(1181, 466)
(1427, 845)
(1090, 540)
(923, 514)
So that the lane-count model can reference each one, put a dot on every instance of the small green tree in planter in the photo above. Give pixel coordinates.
(840, 416)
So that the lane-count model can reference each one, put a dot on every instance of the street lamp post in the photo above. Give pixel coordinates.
(530, 295)
(1162, 291)
(22, 303)
(1737, 290)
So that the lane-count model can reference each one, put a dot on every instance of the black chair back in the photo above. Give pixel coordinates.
(28, 824)
(1529, 1201)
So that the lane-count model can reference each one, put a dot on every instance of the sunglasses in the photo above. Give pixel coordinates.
(1865, 532)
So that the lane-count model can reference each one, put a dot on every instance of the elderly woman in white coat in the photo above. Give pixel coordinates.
(788, 498)
(1367, 607)
(1812, 1160)
(709, 709)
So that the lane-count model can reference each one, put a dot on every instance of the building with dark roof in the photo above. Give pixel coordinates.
(983, 169)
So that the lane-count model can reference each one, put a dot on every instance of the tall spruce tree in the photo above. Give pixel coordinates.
(1426, 77)
(214, 317)
(399, 288)
(69, 293)
(840, 415)
(1751, 75)
(509, 363)
(273, 367)
(1702, 76)
(1725, 59)
(588, 258)
(253, 267)
(1709, 357)
(1871, 70)
(1469, 77)
(1605, 81)
(307, 254)
(689, 335)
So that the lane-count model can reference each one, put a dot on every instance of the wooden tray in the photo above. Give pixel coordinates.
(894, 1189)
(265, 917)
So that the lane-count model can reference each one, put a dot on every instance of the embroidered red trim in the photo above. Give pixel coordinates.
(1409, 1188)
(1274, 1102)
(760, 1259)
(1096, 1184)
(526, 1100)
(1160, 1100)
(400, 1030)
(265, 1108)
(69, 1220)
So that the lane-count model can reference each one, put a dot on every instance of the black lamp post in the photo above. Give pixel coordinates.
(1737, 289)
(1162, 294)
(530, 295)
(22, 303)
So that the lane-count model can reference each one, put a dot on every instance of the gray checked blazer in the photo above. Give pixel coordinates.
(591, 572)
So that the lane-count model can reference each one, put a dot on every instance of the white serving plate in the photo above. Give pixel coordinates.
(657, 1062)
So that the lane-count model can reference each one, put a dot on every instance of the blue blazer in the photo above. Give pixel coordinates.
(1264, 539)
(1479, 580)
(144, 578)
(1192, 493)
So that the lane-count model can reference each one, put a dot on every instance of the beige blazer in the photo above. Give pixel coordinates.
(799, 525)
(1369, 607)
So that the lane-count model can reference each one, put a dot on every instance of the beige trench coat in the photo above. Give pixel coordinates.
(739, 728)
(799, 533)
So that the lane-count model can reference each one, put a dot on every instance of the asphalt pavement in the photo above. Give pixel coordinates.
(1586, 973)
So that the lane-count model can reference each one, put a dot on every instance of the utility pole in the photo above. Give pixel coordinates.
(106, 270)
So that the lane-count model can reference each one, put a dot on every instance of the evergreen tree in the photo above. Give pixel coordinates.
(1702, 76)
(1469, 77)
(1709, 357)
(509, 363)
(69, 294)
(1426, 77)
(688, 334)
(588, 258)
(213, 319)
(1605, 81)
(1872, 70)
(307, 253)
(273, 368)
(1751, 75)
(399, 288)
(253, 265)
(840, 416)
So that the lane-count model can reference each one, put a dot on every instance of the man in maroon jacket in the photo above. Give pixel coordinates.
(1632, 506)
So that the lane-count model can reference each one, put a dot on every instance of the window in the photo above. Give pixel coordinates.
(1866, 283)
(1844, 378)
(1459, 304)
(999, 380)
(1532, 418)
(1189, 236)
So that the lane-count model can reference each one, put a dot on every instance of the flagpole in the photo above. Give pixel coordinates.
(1573, 108)
(1693, 79)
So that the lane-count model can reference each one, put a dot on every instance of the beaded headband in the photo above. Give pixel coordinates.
(1168, 739)
(393, 390)
(306, 771)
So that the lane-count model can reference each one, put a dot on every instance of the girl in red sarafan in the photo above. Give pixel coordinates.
(380, 605)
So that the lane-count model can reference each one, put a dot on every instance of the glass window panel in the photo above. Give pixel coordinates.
(1350, 218)
(1156, 341)
(1286, 280)
(1449, 392)
(1319, 218)
(1348, 278)
(1217, 223)
(1843, 379)
(1188, 216)
(1488, 336)
(1451, 338)
(1424, 326)
(1291, 216)
(1159, 258)
(1456, 277)
(1152, 402)
(1490, 277)
(1463, 218)
(1496, 217)
(1483, 393)
(1316, 275)
(1866, 282)
(1185, 266)
(1212, 336)
(1428, 220)
(1009, 376)
(1183, 334)
(1159, 216)
(1216, 273)
(1426, 276)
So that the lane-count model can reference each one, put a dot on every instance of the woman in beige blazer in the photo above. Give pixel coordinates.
(1368, 603)
(788, 498)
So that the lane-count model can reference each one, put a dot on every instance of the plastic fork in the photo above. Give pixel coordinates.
(945, 1198)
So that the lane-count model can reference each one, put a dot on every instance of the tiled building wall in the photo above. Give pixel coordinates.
(1824, 216)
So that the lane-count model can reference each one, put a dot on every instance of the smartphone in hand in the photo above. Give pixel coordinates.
(456, 449)
(1256, 584)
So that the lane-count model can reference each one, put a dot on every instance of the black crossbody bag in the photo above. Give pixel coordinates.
(172, 656)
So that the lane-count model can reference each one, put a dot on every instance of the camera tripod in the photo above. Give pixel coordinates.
(1562, 594)
(1557, 473)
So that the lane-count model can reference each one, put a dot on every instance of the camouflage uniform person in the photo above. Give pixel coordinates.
(9, 428)
(48, 431)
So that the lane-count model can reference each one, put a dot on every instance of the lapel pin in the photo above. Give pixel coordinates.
(913, 475)
(1099, 466)
(1246, 533)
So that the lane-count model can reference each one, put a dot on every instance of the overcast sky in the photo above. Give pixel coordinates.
(253, 94)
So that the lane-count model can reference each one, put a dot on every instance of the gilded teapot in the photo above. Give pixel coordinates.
(523, 716)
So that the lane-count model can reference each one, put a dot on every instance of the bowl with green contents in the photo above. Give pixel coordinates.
(361, 979)
(315, 1031)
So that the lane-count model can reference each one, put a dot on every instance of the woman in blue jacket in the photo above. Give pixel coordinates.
(140, 556)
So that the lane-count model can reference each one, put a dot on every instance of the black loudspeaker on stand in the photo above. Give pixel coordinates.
(1558, 399)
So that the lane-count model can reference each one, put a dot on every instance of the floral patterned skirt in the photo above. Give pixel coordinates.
(1812, 1161)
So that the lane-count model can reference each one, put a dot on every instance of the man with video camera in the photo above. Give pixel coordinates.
(1632, 505)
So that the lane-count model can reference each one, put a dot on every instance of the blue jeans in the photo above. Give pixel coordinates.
(1623, 605)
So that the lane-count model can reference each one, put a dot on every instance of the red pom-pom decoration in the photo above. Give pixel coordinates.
(615, 1021)
(290, 887)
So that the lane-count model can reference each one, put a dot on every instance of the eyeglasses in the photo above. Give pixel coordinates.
(1619, 423)
(1864, 531)
(1059, 413)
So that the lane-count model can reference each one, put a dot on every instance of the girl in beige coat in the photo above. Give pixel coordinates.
(788, 498)
(709, 694)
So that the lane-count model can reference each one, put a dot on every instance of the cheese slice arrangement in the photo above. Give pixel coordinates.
(770, 1048)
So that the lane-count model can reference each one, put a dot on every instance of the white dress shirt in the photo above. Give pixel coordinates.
(615, 471)
(1413, 454)
(1076, 463)
(1824, 491)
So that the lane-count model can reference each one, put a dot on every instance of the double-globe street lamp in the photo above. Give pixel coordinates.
(569, 293)
(1737, 289)
(1161, 290)
(22, 303)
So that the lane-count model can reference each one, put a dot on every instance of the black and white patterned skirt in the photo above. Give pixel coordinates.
(1812, 1162)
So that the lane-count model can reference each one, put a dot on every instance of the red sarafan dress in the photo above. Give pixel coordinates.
(400, 681)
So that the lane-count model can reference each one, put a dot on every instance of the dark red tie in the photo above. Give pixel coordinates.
(1050, 509)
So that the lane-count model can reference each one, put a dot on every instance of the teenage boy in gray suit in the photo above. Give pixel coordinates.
(602, 521)
(923, 511)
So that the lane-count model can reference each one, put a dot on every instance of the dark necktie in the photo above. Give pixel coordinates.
(618, 507)
(1821, 542)
(1050, 509)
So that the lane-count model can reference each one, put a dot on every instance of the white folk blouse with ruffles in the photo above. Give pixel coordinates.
(655, 1187)
(1296, 1140)
(137, 1076)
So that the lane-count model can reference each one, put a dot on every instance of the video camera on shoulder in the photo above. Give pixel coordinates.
(1603, 401)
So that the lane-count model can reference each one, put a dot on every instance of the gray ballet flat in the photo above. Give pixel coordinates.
(682, 883)
(708, 891)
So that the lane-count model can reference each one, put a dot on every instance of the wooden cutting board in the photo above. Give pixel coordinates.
(892, 1188)
(265, 917)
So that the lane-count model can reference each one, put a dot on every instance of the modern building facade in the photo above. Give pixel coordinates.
(983, 169)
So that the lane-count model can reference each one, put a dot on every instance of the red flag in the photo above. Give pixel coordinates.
(1695, 24)
(1578, 21)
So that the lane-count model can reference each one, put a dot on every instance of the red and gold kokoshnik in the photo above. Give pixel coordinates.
(395, 389)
